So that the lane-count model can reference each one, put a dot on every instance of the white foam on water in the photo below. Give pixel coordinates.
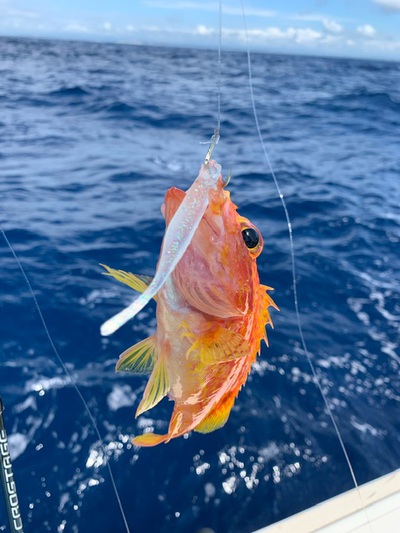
(96, 297)
(29, 402)
(17, 443)
(121, 396)
(363, 427)
(229, 485)
(210, 491)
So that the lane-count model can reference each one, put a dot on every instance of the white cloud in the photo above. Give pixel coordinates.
(271, 33)
(302, 35)
(255, 36)
(203, 30)
(107, 25)
(332, 25)
(367, 30)
(390, 5)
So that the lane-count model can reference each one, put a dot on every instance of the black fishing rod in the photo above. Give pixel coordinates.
(7, 480)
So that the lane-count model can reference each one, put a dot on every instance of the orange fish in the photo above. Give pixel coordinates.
(211, 317)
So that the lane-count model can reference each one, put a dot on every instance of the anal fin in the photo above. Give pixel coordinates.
(157, 387)
(217, 417)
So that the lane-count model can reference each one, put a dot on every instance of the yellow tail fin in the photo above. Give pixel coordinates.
(149, 439)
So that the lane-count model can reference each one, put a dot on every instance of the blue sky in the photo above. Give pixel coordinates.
(355, 28)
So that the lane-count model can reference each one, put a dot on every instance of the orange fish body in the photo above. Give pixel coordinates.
(211, 318)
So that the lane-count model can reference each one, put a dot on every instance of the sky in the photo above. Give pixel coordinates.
(347, 28)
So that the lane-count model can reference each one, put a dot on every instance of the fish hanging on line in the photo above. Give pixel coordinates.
(211, 309)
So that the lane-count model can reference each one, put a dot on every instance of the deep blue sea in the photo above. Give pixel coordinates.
(91, 137)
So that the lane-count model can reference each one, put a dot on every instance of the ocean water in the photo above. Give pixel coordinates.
(91, 137)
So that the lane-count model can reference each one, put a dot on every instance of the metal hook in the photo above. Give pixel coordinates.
(213, 143)
(227, 179)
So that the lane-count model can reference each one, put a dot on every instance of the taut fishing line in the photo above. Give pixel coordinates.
(67, 372)
(219, 66)
(292, 254)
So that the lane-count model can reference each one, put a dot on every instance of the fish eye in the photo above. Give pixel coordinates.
(251, 237)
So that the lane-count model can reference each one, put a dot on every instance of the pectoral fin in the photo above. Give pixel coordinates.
(138, 282)
(156, 388)
(218, 346)
(138, 359)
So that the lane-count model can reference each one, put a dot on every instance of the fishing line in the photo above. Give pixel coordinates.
(216, 135)
(219, 83)
(292, 254)
(74, 385)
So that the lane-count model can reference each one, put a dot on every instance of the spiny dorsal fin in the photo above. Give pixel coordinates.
(139, 358)
(266, 301)
(157, 387)
(138, 282)
(218, 346)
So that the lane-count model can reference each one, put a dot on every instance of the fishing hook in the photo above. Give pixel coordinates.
(213, 143)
